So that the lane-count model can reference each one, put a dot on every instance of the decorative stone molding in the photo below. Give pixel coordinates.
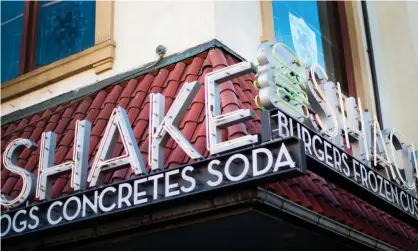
(104, 21)
(100, 57)
(267, 21)
(358, 49)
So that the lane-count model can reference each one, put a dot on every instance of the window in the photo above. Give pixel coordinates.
(315, 31)
(38, 33)
(11, 38)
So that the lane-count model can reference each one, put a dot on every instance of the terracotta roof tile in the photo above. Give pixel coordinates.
(290, 193)
(98, 127)
(41, 123)
(192, 69)
(62, 124)
(191, 114)
(50, 126)
(278, 188)
(143, 114)
(218, 60)
(143, 86)
(304, 201)
(113, 96)
(98, 100)
(34, 118)
(315, 205)
(310, 191)
(58, 186)
(106, 111)
(176, 73)
(128, 91)
(22, 123)
(32, 162)
(8, 129)
(84, 105)
(159, 80)
(68, 112)
(6, 187)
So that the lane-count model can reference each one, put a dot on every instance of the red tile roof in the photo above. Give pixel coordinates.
(310, 191)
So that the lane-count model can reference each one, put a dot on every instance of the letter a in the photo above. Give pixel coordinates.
(119, 121)
(288, 159)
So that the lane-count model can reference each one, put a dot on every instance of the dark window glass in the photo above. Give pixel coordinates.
(11, 38)
(311, 30)
(64, 28)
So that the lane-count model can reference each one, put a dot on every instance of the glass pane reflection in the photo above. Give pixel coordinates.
(64, 28)
(11, 38)
(311, 29)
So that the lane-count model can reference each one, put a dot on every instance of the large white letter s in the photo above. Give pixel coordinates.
(10, 156)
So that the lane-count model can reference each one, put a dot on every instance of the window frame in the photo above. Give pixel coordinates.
(99, 57)
(344, 38)
(28, 44)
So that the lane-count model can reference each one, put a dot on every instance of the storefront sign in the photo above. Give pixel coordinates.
(338, 165)
(283, 83)
(252, 166)
(162, 126)
(311, 99)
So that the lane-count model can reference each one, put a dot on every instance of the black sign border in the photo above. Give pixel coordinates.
(291, 142)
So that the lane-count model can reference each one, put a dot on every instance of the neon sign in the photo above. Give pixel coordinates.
(306, 95)
(280, 81)
(252, 166)
(162, 126)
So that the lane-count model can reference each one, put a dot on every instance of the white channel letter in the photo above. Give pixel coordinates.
(330, 91)
(33, 217)
(214, 120)
(168, 186)
(161, 127)
(330, 127)
(49, 211)
(138, 192)
(118, 122)
(102, 195)
(214, 172)
(376, 149)
(351, 124)
(256, 158)
(190, 179)
(283, 152)
(9, 224)
(78, 166)
(122, 197)
(22, 224)
(10, 155)
(77, 209)
(228, 167)
(92, 206)
(408, 164)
